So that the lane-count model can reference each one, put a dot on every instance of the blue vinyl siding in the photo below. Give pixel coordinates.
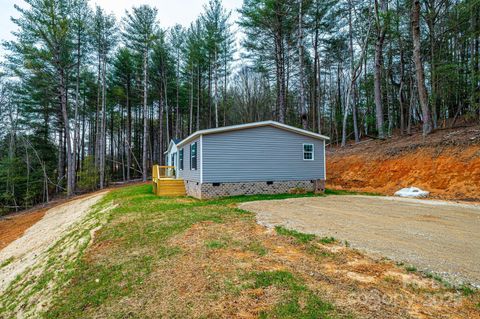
(187, 173)
(260, 154)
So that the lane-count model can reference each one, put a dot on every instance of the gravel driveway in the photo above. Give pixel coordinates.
(434, 236)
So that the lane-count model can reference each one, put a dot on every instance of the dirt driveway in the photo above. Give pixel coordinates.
(431, 235)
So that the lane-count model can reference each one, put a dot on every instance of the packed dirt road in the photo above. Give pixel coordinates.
(433, 236)
(25, 251)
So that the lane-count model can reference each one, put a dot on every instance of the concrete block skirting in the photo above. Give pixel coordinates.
(213, 190)
(193, 189)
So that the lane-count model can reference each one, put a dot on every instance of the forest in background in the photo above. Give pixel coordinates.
(87, 98)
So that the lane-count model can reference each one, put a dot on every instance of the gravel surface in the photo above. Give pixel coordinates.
(437, 236)
(27, 250)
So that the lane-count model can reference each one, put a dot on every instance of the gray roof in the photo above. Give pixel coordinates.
(252, 125)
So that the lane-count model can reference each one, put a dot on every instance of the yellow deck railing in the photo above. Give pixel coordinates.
(159, 172)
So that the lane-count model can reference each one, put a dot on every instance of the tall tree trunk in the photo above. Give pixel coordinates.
(431, 17)
(145, 117)
(166, 108)
(316, 78)
(381, 30)
(389, 91)
(112, 145)
(129, 131)
(422, 92)
(209, 95)
(82, 143)
(410, 108)
(475, 77)
(321, 97)
(282, 108)
(76, 133)
(215, 87)
(103, 126)
(177, 107)
(199, 89)
(63, 106)
(225, 90)
(280, 63)
(190, 122)
(160, 129)
(303, 103)
(355, 71)
(401, 100)
(351, 89)
(97, 114)
(356, 132)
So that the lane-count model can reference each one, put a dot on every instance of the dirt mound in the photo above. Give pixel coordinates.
(447, 164)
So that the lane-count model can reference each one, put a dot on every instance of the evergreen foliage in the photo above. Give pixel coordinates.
(87, 98)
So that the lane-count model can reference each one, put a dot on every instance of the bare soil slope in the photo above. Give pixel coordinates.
(25, 252)
(446, 163)
(13, 227)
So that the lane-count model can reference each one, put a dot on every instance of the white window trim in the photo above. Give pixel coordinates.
(313, 151)
(183, 159)
(196, 156)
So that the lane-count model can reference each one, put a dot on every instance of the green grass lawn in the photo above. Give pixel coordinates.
(158, 257)
(135, 242)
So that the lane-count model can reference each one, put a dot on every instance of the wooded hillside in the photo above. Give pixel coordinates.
(87, 98)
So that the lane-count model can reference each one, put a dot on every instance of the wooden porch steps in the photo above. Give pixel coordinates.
(170, 187)
(165, 183)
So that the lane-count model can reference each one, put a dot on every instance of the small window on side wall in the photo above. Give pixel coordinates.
(308, 152)
(193, 156)
(180, 159)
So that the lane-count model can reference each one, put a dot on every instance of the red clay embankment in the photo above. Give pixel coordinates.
(446, 163)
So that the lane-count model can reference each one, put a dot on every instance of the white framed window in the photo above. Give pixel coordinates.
(180, 159)
(308, 152)
(193, 156)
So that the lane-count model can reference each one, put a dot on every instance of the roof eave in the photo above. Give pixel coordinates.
(169, 147)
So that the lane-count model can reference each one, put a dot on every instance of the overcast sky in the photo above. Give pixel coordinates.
(170, 12)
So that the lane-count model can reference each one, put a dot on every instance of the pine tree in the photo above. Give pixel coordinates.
(140, 31)
(218, 44)
(177, 40)
(104, 39)
(72, 99)
(268, 24)
(51, 43)
(81, 16)
(124, 74)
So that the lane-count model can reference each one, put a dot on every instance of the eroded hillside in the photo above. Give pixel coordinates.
(446, 163)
